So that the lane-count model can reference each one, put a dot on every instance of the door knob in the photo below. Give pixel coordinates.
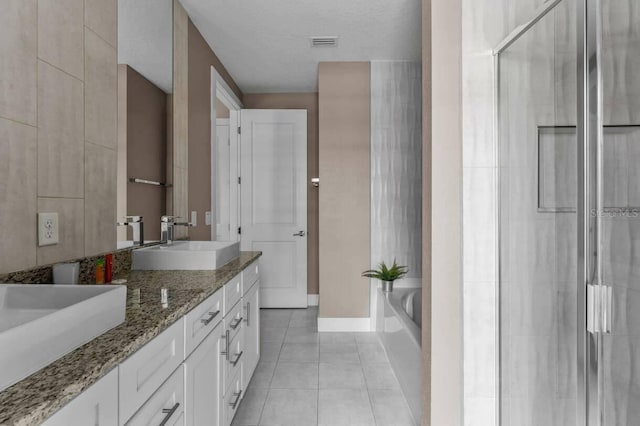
(300, 234)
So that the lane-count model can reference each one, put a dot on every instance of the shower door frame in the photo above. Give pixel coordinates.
(589, 198)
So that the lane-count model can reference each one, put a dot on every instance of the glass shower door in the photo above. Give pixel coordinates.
(619, 216)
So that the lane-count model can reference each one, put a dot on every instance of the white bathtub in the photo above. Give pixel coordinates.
(399, 328)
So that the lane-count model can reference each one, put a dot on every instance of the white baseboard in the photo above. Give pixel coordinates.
(344, 324)
(313, 299)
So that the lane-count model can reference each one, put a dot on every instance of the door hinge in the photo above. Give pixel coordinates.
(239, 180)
(599, 309)
(239, 130)
(239, 230)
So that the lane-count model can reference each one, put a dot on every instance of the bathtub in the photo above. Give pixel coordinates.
(398, 323)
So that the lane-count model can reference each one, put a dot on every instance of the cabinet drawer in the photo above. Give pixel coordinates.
(232, 399)
(166, 406)
(143, 372)
(97, 405)
(234, 320)
(201, 320)
(232, 293)
(250, 275)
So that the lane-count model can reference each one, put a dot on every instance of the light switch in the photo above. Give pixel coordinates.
(47, 229)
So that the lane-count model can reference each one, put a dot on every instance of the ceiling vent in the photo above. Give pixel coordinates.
(324, 41)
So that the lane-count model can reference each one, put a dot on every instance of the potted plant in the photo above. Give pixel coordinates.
(387, 275)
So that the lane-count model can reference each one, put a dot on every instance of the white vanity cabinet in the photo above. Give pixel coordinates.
(203, 381)
(251, 302)
(98, 405)
(194, 373)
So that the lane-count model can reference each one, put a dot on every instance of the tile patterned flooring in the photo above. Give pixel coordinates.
(310, 378)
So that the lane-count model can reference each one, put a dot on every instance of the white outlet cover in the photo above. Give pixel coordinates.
(47, 229)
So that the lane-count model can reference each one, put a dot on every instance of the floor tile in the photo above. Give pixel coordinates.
(295, 407)
(295, 375)
(330, 337)
(299, 352)
(348, 407)
(339, 352)
(272, 334)
(302, 335)
(371, 353)
(308, 322)
(390, 408)
(341, 376)
(379, 375)
(251, 406)
(269, 351)
(366, 337)
(275, 317)
(262, 375)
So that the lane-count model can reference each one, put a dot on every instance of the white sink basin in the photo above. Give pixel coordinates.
(41, 323)
(186, 255)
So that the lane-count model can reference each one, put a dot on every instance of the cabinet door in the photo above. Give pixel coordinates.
(251, 304)
(98, 405)
(203, 382)
(166, 405)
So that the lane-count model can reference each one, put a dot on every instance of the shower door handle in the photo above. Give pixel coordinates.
(300, 234)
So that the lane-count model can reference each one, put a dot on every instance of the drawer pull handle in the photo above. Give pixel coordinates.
(236, 323)
(235, 362)
(226, 345)
(169, 412)
(234, 404)
(212, 315)
(248, 308)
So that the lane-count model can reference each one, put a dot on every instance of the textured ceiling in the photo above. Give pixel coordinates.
(145, 39)
(265, 44)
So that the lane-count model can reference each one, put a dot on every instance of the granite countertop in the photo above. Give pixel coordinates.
(34, 399)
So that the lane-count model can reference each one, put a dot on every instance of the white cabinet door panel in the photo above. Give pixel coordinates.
(96, 406)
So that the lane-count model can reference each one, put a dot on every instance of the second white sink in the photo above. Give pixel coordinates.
(186, 255)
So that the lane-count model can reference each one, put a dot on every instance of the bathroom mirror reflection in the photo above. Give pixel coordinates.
(145, 92)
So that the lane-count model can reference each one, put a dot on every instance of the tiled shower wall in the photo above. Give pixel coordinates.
(58, 84)
(396, 167)
(485, 23)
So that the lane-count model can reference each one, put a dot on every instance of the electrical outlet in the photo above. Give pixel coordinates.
(207, 218)
(194, 218)
(47, 229)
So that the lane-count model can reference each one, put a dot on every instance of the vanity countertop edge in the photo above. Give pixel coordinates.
(37, 397)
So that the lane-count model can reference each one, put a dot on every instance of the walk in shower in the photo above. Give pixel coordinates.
(568, 120)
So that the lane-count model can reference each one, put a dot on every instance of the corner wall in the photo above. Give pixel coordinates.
(344, 95)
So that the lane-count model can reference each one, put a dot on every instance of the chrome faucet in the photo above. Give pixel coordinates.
(167, 226)
(135, 222)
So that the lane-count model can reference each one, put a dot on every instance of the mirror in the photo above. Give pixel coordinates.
(145, 110)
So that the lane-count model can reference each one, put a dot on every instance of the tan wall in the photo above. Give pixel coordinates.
(58, 145)
(146, 143)
(308, 101)
(201, 58)
(344, 97)
(445, 181)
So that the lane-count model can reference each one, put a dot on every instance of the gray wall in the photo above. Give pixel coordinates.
(396, 166)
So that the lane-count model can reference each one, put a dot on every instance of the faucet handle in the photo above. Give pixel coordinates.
(168, 218)
(133, 219)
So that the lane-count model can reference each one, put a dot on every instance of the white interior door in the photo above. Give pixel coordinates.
(274, 202)
(223, 181)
